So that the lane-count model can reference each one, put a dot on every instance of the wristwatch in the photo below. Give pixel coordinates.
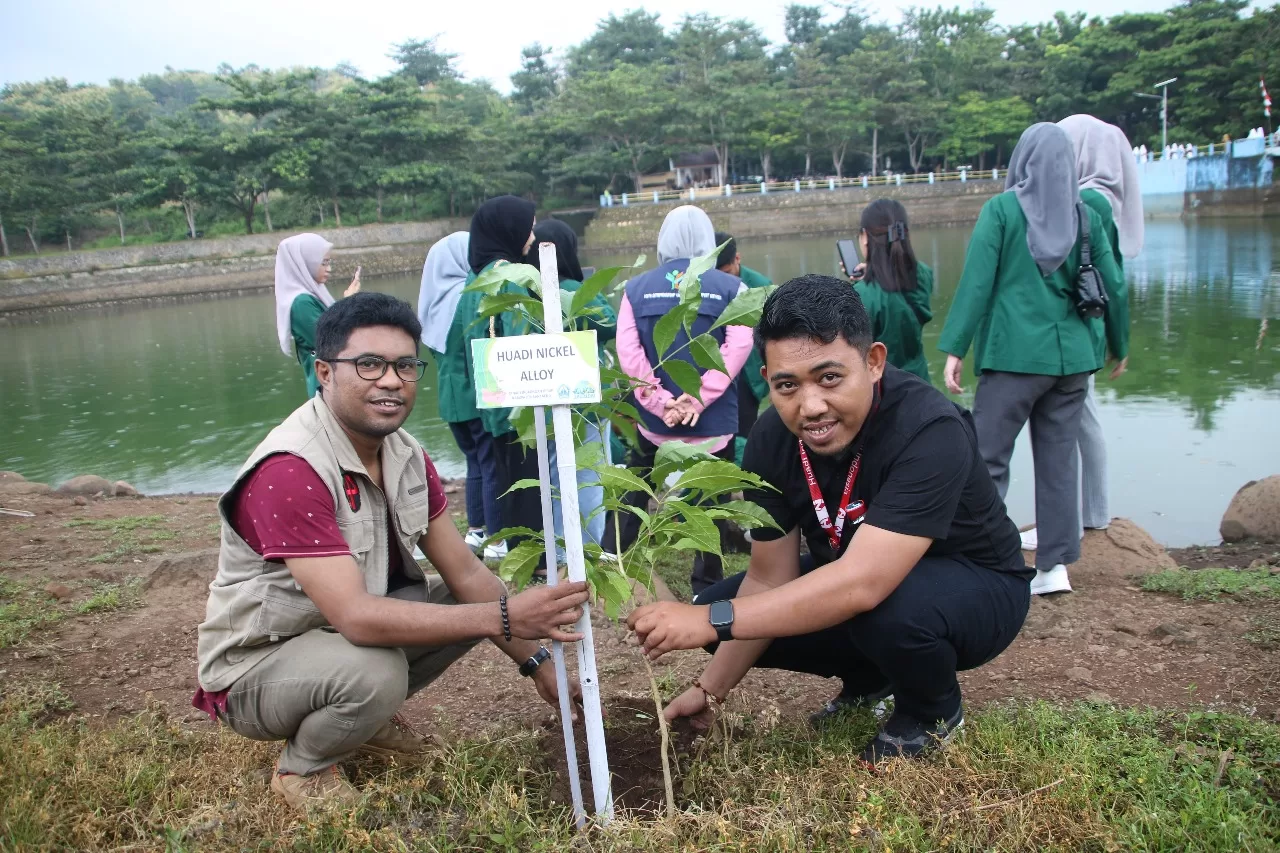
(721, 617)
(529, 667)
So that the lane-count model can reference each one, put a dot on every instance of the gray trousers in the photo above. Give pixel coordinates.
(1094, 510)
(1053, 405)
(325, 697)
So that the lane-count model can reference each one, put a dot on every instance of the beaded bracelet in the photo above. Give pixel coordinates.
(506, 619)
(715, 700)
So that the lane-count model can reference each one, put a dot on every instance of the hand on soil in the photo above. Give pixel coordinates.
(540, 611)
(545, 681)
(692, 704)
(668, 626)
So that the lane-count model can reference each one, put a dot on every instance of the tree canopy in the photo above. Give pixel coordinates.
(180, 153)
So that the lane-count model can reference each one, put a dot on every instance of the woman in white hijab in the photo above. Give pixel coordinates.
(1108, 179)
(302, 269)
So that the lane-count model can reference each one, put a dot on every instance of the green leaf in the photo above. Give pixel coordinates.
(686, 377)
(618, 480)
(745, 513)
(589, 454)
(691, 282)
(745, 308)
(518, 566)
(706, 352)
(698, 530)
(717, 477)
(499, 303)
(677, 456)
(666, 330)
(527, 483)
(591, 288)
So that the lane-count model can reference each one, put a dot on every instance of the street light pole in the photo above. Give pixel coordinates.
(1164, 112)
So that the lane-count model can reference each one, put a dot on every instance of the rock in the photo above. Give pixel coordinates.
(1109, 558)
(87, 485)
(124, 490)
(80, 500)
(22, 487)
(58, 590)
(11, 477)
(1170, 629)
(1254, 512)
(180, 576)
(1099, 698)
(1126, 641)
(1080, 674)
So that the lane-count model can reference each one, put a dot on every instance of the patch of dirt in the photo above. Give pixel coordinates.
(1108, 640)
(633, 743)
(1238, 555)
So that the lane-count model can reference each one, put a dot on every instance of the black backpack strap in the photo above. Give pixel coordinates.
(1086, 249)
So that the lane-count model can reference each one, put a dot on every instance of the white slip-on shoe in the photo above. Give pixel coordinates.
(1053, 580)
(475, 539)
(495, 552)
(1029, 540)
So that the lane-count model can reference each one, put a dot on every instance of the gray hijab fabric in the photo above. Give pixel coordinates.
(687, 232)
(443, 276)
(1105, 162)
(297, 262)
(1042, 174)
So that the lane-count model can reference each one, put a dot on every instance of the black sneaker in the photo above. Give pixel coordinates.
(906, 737)
(847, 701)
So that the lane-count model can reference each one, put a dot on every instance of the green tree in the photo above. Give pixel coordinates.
(635, 38)
(423, 61)
(976, 124)
(536, 82)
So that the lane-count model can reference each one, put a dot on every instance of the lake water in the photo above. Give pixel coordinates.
(173, 397)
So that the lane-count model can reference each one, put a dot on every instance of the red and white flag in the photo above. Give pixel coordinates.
(1266, 99)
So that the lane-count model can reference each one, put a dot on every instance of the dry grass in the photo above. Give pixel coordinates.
(1085, 777)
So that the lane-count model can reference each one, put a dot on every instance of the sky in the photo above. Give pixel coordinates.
(93, 41)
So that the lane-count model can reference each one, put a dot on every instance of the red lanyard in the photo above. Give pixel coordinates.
(835, 531)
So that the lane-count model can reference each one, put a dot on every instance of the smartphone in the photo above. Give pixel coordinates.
(848, 250)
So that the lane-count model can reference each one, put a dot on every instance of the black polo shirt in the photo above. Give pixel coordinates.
(921, 475)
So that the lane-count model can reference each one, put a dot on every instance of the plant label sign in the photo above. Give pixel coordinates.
(558, 369)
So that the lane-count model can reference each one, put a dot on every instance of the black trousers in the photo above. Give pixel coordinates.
(947, 615)
(521, 508)
(707, 568)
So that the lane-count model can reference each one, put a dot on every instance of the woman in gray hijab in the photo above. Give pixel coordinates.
(1107, 174)
(1034, 350)
(669, 412)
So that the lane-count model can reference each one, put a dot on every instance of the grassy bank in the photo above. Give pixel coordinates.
(1032, 776)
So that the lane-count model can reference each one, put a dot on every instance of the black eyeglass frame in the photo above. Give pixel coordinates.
(421, 365)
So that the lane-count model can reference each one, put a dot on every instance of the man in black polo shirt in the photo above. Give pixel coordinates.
(914, 569)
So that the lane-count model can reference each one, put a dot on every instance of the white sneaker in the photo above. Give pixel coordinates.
(475, 539)
(1054, 580)
(1029, 539)
(495, 552)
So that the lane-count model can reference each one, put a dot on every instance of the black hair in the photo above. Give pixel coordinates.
(891, 262)
(360, 311)
(729, 252)
(818, 307)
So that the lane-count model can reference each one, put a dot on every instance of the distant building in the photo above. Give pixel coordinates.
(698, 169)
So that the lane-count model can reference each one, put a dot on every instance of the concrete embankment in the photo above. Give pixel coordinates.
(795, 214)
(65, 280)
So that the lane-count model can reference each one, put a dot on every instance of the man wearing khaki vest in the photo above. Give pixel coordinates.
(320, 622)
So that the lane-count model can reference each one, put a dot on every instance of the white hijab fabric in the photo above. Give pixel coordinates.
(687, 232)
(443, 276)
(297, 262)
(1104, 162)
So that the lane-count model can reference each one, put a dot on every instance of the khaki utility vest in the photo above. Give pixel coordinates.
(255, 605)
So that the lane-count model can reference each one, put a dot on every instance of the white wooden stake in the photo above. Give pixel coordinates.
(557, 648)
(566, 466)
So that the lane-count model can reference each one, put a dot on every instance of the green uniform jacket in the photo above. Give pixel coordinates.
(751, 369)
(303, 314)
(1022, 322)
(897, 320)
(455, 387)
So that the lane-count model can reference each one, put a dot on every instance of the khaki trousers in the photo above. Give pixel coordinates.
(325, 697)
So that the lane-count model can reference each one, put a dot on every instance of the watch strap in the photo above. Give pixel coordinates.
(529, 667)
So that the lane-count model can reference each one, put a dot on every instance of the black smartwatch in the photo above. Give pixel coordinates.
(722, 619)
(529, 667)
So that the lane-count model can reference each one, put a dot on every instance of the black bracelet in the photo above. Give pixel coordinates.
(506, 620)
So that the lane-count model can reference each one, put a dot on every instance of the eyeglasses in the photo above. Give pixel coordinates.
(373, 368)
(327, 263)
